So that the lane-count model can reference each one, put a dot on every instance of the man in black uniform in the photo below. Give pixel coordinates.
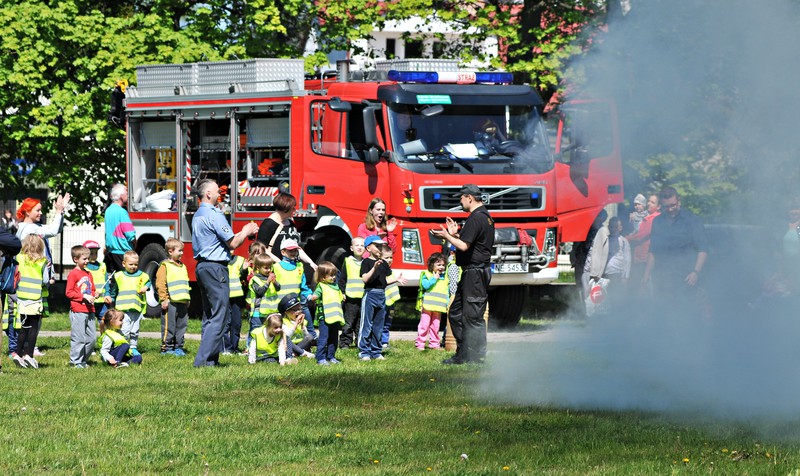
(473, 254)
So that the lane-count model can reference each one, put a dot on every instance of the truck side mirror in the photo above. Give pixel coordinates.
(338, 105)
(373, 155)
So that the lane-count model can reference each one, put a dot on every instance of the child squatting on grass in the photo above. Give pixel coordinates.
(81, 292)
(268, 343)
(114, 348)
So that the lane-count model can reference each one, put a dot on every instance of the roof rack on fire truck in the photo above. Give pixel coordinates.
(223, 77)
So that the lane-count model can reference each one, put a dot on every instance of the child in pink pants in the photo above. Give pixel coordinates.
(432, 301)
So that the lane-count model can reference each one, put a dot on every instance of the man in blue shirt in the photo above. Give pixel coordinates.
(212, 242)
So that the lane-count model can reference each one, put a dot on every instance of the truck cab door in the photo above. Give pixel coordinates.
(589, 167)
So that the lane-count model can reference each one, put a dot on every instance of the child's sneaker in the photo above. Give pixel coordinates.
(334, 361)
(19, 361)
(365, 358)
(122, 364)
(323, 362)
(180, 352)
(308, 355)
(32, 363)
(38, 353)
(380, 357)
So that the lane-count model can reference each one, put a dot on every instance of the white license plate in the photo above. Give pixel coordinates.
(510, 267)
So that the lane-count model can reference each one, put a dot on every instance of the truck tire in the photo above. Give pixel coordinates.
(149, 259)
(335, 254)
(505, 305)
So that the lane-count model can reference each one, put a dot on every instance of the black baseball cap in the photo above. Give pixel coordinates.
(289, 301)
(469, 189)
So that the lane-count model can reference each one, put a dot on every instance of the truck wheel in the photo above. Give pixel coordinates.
(150, 258)
(505, 305)
(335, 254)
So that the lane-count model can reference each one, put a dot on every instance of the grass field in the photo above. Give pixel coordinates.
(406, 415)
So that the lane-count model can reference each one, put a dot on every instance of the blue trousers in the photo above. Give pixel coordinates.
(234, 327)
(215, 293)
(120, 354)
(373, 313)
(327, 340)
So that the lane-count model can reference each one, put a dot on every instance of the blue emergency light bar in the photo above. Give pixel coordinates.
(443, 77)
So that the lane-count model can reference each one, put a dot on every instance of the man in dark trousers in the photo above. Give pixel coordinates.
(678, 251)
(473, 254)
(212, 242)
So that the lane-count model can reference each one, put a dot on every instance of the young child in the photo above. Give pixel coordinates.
(268, 343)
(290, 273)
(329, 316)
(127, 290)
(350, 281)
(172, 284)
(375, 274)
(81, 293)
(432, 301)
(298, 340)
(32, 296)
(237, 274)
(255, 248)
(99, 276)
(262, 292)
(392, 296)
(114, 348)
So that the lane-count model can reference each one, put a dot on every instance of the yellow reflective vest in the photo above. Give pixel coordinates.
(392, 291)
(117, 339)
(128, 296)
(354, 286)
(263, 344)
(331, 304)
(266, 304)
(32, 285)
(298, 331)
(289, 279)
(436, 298)
(235, 276)
(177, 281)
(99, 278)
(9, 314)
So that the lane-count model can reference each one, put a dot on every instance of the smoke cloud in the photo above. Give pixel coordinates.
(716, 80)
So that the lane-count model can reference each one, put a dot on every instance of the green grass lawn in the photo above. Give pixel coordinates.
(406, 415)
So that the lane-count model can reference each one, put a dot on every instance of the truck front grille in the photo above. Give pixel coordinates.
(496, 199)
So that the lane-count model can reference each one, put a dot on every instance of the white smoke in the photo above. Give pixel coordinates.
(731, 66)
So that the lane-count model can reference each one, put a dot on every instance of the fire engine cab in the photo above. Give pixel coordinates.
(411, 132)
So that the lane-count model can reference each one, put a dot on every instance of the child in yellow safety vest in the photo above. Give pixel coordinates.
(237, 296)
(268, 342)
(329, 317)
(114, 348)
(262, 292)
(32, 293)
(350, 280)
(126, 290)
(99, 274)
(172, 283)
(432, 301)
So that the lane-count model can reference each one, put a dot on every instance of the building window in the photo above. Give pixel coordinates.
(414, 49)
(391, 48)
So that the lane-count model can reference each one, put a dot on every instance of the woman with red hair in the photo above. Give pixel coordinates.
(29, 214)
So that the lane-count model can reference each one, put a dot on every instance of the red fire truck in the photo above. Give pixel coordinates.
(412, 132)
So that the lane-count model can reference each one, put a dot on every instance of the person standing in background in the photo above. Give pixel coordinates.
(120, 234)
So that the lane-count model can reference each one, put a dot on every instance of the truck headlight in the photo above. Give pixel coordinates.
(549, 245)
(412, 249)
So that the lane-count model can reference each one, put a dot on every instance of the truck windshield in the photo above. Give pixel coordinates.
(472, 136)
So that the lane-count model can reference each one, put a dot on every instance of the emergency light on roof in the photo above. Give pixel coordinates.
(457, 77)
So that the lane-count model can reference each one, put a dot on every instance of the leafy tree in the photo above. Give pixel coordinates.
(58, 64)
